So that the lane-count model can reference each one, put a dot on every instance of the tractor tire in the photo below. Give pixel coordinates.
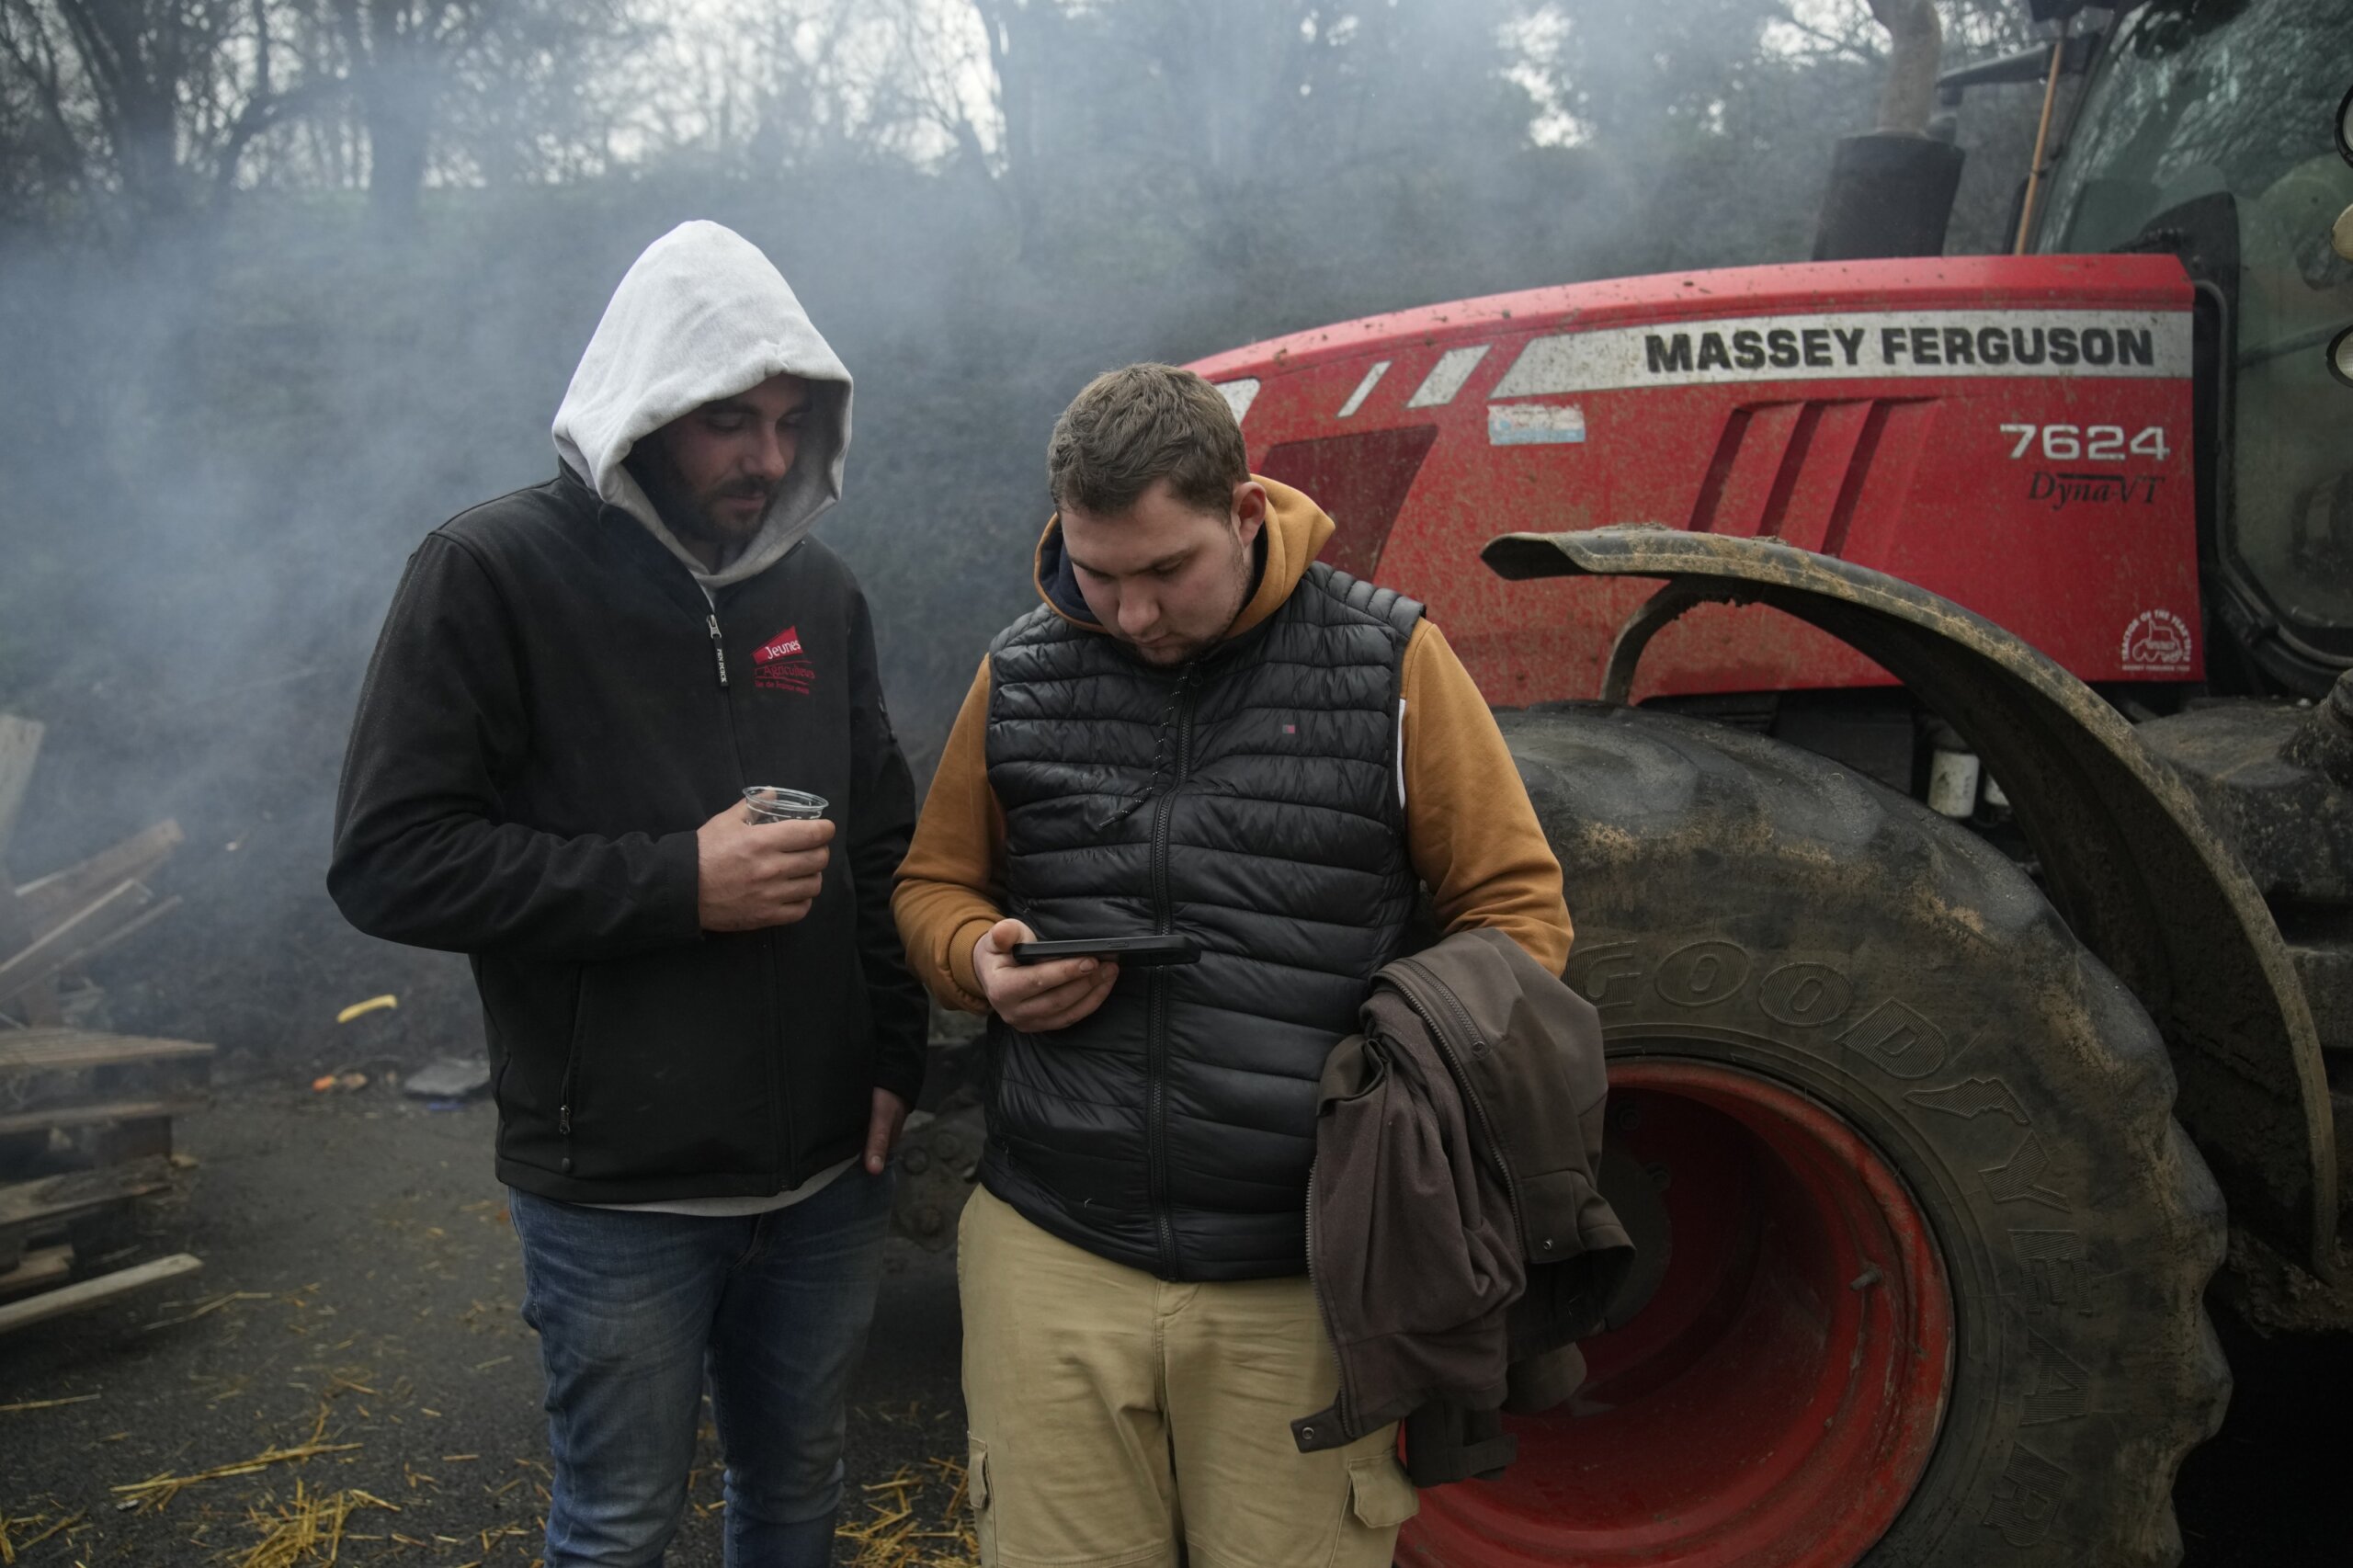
(1927, 1254)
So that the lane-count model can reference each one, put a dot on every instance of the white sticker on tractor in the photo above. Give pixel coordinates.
(1364, 388)
(1446, 377)
(1533, 424)
(1239, 395)
(1872, 345)
(2156, 640)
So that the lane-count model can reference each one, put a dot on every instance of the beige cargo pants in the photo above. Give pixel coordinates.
(1115, 1415)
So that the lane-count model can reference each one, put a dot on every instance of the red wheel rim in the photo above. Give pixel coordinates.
(1775, 1401)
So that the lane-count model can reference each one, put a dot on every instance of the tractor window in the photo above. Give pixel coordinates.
(2238, 97)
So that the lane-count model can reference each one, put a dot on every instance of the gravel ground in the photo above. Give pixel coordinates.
(360, 1291)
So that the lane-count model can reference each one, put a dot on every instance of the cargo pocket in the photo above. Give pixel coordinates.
(976, 1487)
(1379, 1493)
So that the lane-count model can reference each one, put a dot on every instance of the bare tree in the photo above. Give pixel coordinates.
(41, 152)
(538, 95)
(1023, 37)
(1916, 41)
(399, 52)
(476, 88)
(162, 99)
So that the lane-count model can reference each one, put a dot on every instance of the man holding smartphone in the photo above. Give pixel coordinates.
(1201, 733)
(703, 1036)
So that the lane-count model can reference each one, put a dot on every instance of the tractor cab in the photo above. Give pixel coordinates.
(2203, 130)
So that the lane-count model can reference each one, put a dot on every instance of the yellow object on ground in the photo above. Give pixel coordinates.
(373, 1005)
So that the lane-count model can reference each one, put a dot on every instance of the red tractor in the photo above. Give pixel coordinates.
(1931, 672)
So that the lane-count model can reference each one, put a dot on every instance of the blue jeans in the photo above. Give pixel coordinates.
(633, 1308)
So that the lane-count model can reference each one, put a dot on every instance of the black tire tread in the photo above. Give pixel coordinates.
(1643, 807)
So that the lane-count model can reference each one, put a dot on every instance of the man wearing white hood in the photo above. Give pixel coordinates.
(703, 1034)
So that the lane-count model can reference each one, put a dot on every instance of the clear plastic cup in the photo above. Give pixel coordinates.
(773, 802)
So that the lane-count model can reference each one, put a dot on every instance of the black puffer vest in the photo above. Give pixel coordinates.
(1248, 801)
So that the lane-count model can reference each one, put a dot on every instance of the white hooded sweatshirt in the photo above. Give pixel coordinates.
(700, 316)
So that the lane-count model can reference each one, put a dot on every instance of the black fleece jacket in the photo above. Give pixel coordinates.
(554, 708)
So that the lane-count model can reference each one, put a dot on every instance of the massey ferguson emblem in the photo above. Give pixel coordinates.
(780, 665)
(2156, 640)
(1848, 344)
(2063, 490)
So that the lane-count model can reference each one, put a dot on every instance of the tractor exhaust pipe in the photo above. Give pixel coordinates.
(1888, 195)
(1890, 192)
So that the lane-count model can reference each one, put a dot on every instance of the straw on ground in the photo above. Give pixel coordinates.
(308, 1529)
(158, 1490)
(903, 1534)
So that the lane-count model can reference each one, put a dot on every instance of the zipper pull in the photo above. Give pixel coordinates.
(564, 1119)
(718, 648)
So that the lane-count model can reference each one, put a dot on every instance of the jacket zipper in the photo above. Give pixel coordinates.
(1341, 1403)
(780, 1149)
(1157, 1004)
(565, 1090)
(1449, 1048)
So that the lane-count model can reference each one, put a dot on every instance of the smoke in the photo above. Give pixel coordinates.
(223, 431)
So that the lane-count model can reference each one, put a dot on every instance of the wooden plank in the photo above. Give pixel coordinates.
(110, 940)
(66, 1078)
(49, 899)
(36, 1004)
(69, 1050)
(19, 748)
(94, 1292)
(97, 1111)
(41, 1267)
(54, 1199)
(70, 940)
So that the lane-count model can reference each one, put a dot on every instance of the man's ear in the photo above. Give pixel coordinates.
(1250, 507)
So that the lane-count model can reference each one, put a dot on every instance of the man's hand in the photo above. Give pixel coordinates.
(755, 874)
(883, 1125)
(1037, 997)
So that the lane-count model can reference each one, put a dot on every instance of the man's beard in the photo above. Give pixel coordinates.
(695, 519)
(1245, 573)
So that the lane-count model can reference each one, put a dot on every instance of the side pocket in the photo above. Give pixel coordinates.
(567, 1094)
(976, 1486)
(1379, 1493)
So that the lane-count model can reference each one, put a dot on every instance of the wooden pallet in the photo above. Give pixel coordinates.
(117, 1093)
(113, 1097)
(32, 1210)
(85, 1116)
(53, 926)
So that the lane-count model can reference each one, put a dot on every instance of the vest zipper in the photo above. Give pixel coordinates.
(1156, 997)
(718, 648)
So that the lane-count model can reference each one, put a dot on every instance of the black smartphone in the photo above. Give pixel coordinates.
(1144, 951)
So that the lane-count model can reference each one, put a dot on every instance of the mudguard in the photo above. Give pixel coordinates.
(2125, 856)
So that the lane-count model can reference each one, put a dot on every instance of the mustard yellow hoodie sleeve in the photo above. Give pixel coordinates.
(1469, 828)
(949, 884)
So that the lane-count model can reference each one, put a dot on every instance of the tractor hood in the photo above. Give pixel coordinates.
(2011, 433)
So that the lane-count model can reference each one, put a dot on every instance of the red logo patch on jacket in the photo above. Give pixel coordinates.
(781, 666)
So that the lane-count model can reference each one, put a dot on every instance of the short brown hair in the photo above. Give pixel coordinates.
(1129, 428)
